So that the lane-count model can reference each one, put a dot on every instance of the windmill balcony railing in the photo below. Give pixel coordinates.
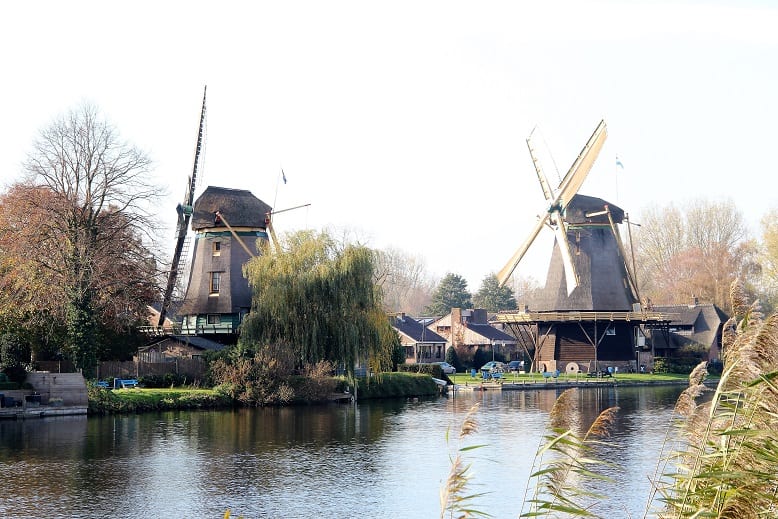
(513, 317)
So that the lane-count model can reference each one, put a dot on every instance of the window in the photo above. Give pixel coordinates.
(213, 319)
(216, 278)
(216, 248)
(610, 330)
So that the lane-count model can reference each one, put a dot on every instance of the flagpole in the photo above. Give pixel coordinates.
(617, 181)
(619, 167)
(275, 197)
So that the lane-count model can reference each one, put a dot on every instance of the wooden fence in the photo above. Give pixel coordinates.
(191, 368)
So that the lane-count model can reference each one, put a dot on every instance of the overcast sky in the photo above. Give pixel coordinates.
(406, 121)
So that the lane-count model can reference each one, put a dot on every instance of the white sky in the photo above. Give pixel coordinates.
(405, 120)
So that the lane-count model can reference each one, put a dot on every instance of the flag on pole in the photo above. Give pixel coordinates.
(283, 175)
(618, 163)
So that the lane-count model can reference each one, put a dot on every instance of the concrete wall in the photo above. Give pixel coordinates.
(70, 387)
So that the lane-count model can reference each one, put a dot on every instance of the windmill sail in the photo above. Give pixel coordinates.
(559, 199)
(184, 214)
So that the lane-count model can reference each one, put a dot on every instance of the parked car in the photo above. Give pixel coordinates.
(447, 368)
(516, 365)
(493, 366)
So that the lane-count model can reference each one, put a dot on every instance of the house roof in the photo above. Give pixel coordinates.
(704, 320)
(414, 330)
(239, 207)
(200, 343)
(490, 332)
(680, 315)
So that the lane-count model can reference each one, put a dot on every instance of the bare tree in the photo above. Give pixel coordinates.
(94, 221)
(403, 280)
(697, 252)
(526, 290)
(768, 258)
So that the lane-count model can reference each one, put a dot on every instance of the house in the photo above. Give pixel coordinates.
(421, 344)
(694, 323)
(468, 330)
(171, 347)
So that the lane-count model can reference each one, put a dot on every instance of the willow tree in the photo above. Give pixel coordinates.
(318, 298)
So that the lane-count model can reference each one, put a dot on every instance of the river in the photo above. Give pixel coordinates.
(373, 459)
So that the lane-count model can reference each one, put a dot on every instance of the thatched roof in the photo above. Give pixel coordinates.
(239, 207)
(581, 205)
(601, 269)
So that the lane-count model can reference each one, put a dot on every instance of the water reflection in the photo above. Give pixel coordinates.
(376, 459)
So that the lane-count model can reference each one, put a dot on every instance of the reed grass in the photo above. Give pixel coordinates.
(720, 454)
(724, 457)
(456, 499)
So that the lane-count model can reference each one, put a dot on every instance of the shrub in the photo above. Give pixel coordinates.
(682, 366)
(430, 369)
(255, 380)
(453, 359)
(393, 385)
(315, 385)
(160, 381)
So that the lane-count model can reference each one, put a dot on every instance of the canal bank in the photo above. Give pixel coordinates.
(49, 394)
(532, 385)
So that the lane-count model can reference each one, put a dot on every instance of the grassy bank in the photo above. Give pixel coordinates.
(102, 401)
(396, 385)
(385, 385)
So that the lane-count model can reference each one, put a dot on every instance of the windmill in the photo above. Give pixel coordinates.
(589, 278)
(184, 211)
(558, 200)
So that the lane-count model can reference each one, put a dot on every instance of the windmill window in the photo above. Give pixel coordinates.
(216, 278)
(216, 248)
(610, 330)
(214, 319)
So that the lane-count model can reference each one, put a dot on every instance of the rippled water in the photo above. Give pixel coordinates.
(375, 459)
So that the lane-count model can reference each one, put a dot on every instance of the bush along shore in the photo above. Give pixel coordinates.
(296, 390)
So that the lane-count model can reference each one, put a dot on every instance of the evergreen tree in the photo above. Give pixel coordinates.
(450, 293)
(452, 358)
(493, 297)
